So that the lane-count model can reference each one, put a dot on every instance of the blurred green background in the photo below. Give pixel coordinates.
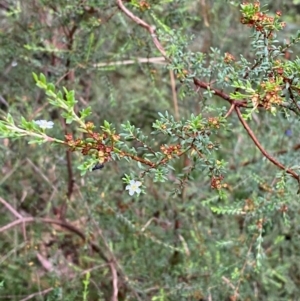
(166, 245)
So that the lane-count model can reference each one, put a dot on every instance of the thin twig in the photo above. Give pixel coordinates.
(114, 273)
(44, 292)
(149, 28)
(10, 208)
(174, 95)
(41, 173)
(259, 146)
(294, 100)
(16, 214)
(152, 60)
(113, 260)
(236, 291)
(228, 282)
(230, 110)
(223, 95)
(204, 12)
(61, 223)
(277, 153)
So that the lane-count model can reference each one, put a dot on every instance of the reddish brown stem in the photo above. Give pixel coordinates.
(230, 110)
(259, 146)
(219, 93)
(138, 159)
(148, 27)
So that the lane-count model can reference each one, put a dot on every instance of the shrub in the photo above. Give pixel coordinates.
(192, 199)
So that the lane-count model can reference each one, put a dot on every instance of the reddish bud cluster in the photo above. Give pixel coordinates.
(272, 94)
(73, 144)
(258, 19)
(89, 126)
(249, 205)
(216, 182)
(214, 122)
(144, 5)
(228, 58)
(170, 150)
(94, 145)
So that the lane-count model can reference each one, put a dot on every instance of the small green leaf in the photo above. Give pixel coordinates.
(10, 119)
(43, 78)
(35, 76)
(85, 113)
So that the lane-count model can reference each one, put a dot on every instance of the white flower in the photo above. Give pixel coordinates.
(133, 187)
(44, 124)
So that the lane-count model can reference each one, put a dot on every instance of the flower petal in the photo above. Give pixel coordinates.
(44, 124)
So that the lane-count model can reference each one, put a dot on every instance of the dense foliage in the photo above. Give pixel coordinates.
(162, 155)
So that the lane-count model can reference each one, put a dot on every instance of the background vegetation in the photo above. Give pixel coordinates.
(85, 237)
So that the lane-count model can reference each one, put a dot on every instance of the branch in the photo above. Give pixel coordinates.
(294, 100)
(174, 95)
(148, 27)
(263, 151)
(219, 93)
(61, 223)
(16, 214)
(114, 281)
(10, 208)
(277, 153)
(152, 60)
(230, 110)
(44, 292)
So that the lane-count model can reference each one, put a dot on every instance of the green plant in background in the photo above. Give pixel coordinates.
(86, 283)
(166, 206)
